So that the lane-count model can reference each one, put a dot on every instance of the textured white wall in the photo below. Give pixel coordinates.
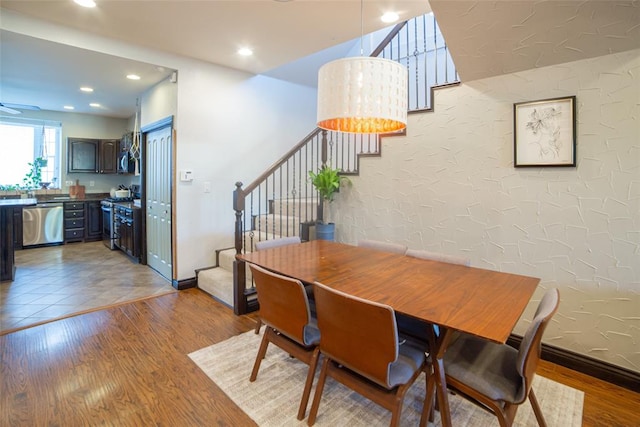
(450, 186)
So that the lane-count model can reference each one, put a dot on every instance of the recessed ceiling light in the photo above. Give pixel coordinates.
(133, 77)
(94, 105)
(68, 107)
(86, 89)
(389, 17)
(85, 3)
(245, 51)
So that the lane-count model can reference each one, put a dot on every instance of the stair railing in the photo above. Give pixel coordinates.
(282, 202)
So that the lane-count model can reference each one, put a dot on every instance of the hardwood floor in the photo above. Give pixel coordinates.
(128, 365)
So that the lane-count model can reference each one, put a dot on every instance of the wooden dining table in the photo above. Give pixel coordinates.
(476, 301)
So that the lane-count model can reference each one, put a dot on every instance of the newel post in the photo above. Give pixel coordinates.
(239, 270)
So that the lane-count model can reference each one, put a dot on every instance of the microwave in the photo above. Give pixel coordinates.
(126, 163)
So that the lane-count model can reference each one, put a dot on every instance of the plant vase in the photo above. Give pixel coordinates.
(325, 231)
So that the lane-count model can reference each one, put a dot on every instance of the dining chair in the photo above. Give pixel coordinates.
(415, 327)
(378, 245)
(360, 349)
(284, 309)
(274, 243)
(498, 376)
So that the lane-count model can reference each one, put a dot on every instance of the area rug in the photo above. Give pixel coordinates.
(273, 399)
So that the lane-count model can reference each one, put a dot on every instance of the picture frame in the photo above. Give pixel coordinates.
(544, 132)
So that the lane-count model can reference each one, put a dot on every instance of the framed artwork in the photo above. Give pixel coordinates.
(544, 132)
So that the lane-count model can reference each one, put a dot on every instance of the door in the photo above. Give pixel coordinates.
(158, 200)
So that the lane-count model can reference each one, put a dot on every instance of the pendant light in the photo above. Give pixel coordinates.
(363, 94)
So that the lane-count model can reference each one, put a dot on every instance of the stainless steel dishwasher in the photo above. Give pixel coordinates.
(42, 224)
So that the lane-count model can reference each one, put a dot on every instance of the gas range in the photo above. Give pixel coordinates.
(110, 201)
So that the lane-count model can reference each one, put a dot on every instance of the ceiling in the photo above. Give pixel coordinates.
(489, 38)
(290, 39)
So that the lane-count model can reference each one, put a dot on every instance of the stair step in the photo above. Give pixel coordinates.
(226, 258)
(218, 283)
(278, 224)
(303, 208)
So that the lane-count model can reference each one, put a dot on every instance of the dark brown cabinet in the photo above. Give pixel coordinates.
(17, 228)
(82, 221)
(128, 230)
(73, 222)
(93, 213)
(86, 155)
(109, 155)
(82, 155)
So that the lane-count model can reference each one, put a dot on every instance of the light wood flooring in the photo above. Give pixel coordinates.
(128, 365)
(56, 281)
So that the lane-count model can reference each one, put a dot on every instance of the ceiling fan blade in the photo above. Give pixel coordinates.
(6, 106)
(8, 110)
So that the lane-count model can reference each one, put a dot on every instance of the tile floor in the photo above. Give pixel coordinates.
(56, 281)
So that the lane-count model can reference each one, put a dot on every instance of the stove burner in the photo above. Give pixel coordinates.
(109, 201)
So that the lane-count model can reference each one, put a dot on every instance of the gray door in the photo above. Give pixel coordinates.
(158, 194)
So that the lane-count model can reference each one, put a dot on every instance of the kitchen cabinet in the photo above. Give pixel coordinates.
(82, 221)
(73, 222)
(108, 158)
(128, 229)
(17, 228)
(87, 155)
(93, 213)
(82, 155)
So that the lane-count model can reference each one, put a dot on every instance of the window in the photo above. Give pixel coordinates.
(22, 143)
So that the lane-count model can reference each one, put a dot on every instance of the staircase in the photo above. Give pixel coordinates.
(282, 202)
(284, 219)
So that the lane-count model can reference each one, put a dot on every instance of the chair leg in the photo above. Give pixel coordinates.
(427, 409)
(258, 326)
(261, 352)
(318, 393)
(396, 412)
(506, 414)
(313, 363)
(536, 409)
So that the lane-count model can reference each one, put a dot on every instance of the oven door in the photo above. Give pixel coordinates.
(107, 227)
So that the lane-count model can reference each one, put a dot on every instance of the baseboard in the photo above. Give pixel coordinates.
(191, 282)
(587, 365)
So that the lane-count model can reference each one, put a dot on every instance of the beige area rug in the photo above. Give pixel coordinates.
(273, 399)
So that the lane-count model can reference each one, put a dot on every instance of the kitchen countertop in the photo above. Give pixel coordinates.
(61, 198)
(17, 202)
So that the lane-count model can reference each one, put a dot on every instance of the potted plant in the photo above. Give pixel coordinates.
(327, 181)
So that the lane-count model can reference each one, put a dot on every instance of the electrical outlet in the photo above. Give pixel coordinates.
(92, 183)
(68, 183)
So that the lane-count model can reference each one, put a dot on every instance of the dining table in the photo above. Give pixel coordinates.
(477, 301)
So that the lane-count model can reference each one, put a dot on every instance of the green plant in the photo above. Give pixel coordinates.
(327, 181)
(33, 177)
